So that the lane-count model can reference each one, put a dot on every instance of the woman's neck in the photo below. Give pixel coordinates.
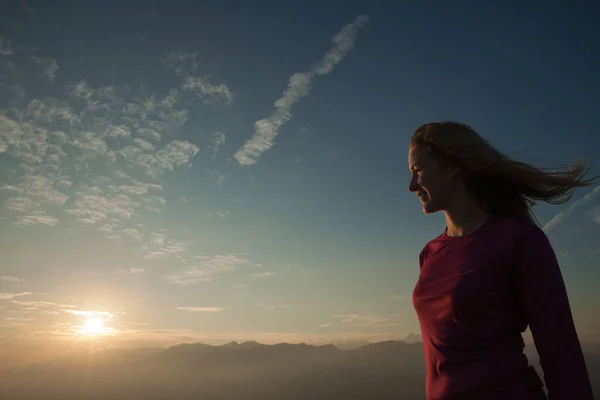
(464, 217)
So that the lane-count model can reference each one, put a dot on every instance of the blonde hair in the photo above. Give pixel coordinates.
(503, 186)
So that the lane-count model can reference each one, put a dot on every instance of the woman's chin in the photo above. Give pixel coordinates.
(428, 208)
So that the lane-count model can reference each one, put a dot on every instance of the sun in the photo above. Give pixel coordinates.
(94, 326)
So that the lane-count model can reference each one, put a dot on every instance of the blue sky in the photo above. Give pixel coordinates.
(224, 171)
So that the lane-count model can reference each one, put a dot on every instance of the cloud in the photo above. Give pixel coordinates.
(30, 143)
(325, 325)
(10, 296)
(174, 154)
(211, 93)
(51, 110)
(89, 313)
(299, 86)
(272, 307)
(558, 218)
(11, 279)
(81, 90)
(132, 271)
(149, 134)
(28, 220)
(273, 272)
(202, 309)
(18, 319)
(266, 274)
(203, 268)
(94, 205)
(37, 303)
(220, 178)
(159, 246)
(181, 61)
(133, 233)
(218, 138)
(101, 154)
(49, 67)
(144, 144)
(363, 320)
(5, 47)
(103, 136)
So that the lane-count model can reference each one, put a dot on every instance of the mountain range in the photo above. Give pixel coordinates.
(247, 370)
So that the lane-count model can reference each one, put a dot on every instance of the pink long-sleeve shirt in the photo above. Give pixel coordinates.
(475, 296)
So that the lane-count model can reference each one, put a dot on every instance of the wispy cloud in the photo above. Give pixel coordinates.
(28, 220)
(270, 272)
(174, 154)
(133, 234)
(272, 307)
(82, 157)
(327, 325)
(17, 319)
(218, 138)
(37, 303)
(89, 313)
(364, 320)
(558, 218)
(266, 274)
(11, 279)
(168, 248)
(211, 93)
(182, 62)
(203, 268)
(202, 309)
(94, 205)
(10, 296)
(132, 271)
(48, 67)
(299, 86)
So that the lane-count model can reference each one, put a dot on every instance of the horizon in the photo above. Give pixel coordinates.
(225, 171)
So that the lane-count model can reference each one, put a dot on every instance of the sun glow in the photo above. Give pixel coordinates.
(95, 326)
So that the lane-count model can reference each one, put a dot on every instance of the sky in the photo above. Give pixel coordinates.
(224, 170)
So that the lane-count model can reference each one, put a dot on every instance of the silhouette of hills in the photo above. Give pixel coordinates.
(249, 370)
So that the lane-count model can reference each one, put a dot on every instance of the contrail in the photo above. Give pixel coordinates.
(558, 218)
(298, 87)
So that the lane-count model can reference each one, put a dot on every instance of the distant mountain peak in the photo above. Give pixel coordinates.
(413, 338)
(252, 343)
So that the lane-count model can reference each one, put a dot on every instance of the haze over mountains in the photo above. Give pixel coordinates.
(250, 370)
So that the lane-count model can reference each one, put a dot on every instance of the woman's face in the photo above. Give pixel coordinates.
(430, 180)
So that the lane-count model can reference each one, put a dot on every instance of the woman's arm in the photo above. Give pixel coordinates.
(542, 294)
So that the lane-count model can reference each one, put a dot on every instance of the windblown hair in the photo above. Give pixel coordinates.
(503, 186)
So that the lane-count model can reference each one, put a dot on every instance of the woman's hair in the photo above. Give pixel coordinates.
(503, 186)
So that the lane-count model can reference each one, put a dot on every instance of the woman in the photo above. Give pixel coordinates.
(491, 273)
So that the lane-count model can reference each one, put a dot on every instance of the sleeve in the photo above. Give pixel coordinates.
(543, 297)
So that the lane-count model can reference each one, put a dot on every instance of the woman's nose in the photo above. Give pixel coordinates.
(412, 186)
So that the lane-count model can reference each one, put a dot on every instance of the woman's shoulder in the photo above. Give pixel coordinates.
(520, 232)
(430, 247)
(518, 226)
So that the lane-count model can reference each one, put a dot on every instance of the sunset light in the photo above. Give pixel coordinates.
(95, 326)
